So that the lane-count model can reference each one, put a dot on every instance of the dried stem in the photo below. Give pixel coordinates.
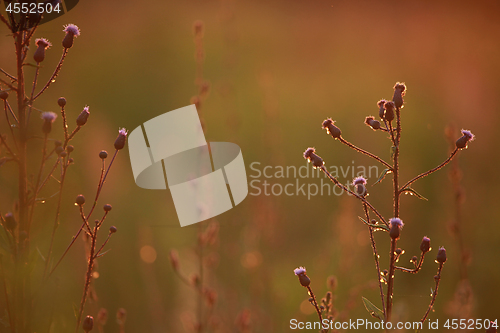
(416, 268)
(437, 278)
(54, 75)
(359, 150)
(314, 303)
(7, 302)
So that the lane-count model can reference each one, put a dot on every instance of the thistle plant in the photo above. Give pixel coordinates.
(390, 123)
(28, 261)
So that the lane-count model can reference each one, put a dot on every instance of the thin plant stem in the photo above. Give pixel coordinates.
(314, 303)
(11, 112)
(39, 177)
(200, 295)
(12, 77)
(7, 302)
(65, 124)
(453, 153)
(54, 75)
(10, 86)
(364, 152)
(33, 92)
(8, 148)
(376, 258)
(102, 246)
(413, 270)
(437, 278)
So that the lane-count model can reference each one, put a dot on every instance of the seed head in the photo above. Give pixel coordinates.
(441, 256)
(310, 155)
(48, 119)
(9, 222)
(88, 324)
(71, 31)
(61, 101)
(425, 245)
(120, 140)
(399, 92)
(4, 94)
(103, 154)
(83, 117)
(80, 200)
(395, 224)
(331, 129)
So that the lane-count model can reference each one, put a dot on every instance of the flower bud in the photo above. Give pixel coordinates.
(102, 317)
(303, 278)
(120, 140)
(107, 207)
(359, 183)
(48, 119)
(441, 256)
(70, 149)
(395, 225)
(80, 200)
(9, 222)
(112, 229)
(42, 44)
(57, 143)
(310, 155)
(103, 154)
(389, 111)
(381, 110)
(331, 129)
(121, 316)
(399, 251)
(374, 124)
(63, 154)
(83, 117)
(88, 324)
(463, 141)
(61, 101)
(71, 31)
(399, 92)
(425, 245)
(4, 94)
(59, 150)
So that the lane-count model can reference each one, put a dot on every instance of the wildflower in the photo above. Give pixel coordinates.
(42, 44)
(303, 278)
(389, 111)
(359, 183)
(331, 129)
(88, 324)
(48, 119)
(374, 124)
(71, 31)
(310, 155)
(463, 141)
(83, 117)
(120, 140)
(395, 225)
(425, 245)
(441, 256)
(399, 92)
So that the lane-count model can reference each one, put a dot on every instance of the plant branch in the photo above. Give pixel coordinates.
(364, 152)
(54, 75)
(437, 278)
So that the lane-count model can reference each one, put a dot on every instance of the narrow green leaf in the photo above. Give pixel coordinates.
(101, 254)
(382, 176)
(407, 190)
(40, 253)
(380, 226)
(373, 310)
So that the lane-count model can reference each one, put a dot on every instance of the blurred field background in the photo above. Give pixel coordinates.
(277, 70)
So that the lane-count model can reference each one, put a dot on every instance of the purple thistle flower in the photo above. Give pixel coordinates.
(48, 118)
(331, 129)
(396, 221)
(72, 29)
(42, 42)
(468, 134)
(395, 225)
(299, 270)
(310, 156)
(359, 180)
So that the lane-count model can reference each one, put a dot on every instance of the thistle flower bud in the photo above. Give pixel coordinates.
(120, 140)
(112, 229)
(9, 222)
(395, 225)
(441, 256)
(107, 207)
(381, 110)
(102, 317)
(70, 148)
(359, 183)
(463, 141)
(103, 154)
(42, 44)
(63, 154)
(198, 28)
(59, 150)
(374, 124)
(83, 117)
(80, 200)
(4, 95)
(303, 278)
(61, 101)
(331, 129)
(425, 245)
(399, 251)
(71, 31)
(389, 111)
(88, 324)
(48, 119)
(57, 143)
(310, 155)
(399, 92)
